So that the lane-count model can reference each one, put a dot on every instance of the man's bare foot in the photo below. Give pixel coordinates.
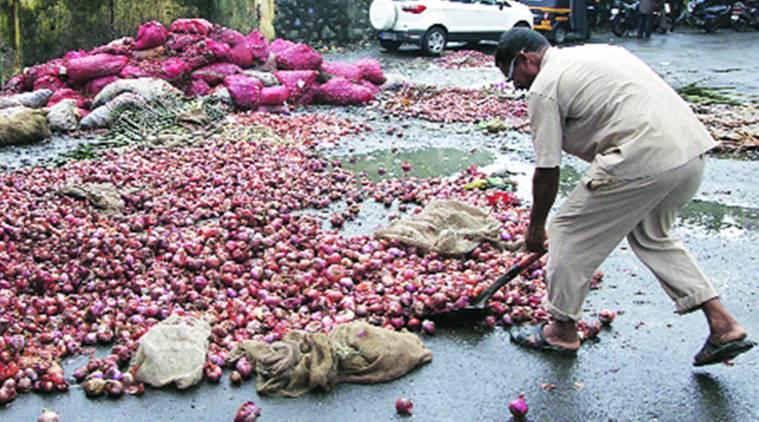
(734, 333)
(562, 334)
(723, 328)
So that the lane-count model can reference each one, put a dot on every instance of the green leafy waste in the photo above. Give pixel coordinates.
(166, 122)
(706, 95)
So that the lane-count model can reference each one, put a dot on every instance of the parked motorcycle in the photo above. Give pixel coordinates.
(745, 16)
(625, 18)
(710, 15)
(663, 20)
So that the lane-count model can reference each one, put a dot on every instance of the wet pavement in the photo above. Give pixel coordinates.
(641, 367)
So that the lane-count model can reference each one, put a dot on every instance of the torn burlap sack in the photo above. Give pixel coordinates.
(103, 196)
(172, 351)
(22, 125)
(448, 228)
(356, 352)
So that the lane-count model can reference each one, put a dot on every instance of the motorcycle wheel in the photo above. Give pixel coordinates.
(666, 25)
(741, 25)
(618, 27)
(710, 26)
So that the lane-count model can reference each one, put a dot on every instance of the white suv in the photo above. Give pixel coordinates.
(431, 24)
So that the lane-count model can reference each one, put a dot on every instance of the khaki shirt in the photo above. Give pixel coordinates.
(606, 106)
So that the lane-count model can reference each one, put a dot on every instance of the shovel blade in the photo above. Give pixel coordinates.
(464, 316)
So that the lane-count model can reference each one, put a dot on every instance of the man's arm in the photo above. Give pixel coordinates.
(545, 187)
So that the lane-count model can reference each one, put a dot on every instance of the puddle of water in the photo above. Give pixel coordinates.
(43, 153)
(425, 162)
(715, 217)
(707, 216)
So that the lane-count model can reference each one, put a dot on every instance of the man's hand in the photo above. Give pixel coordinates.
(535, 239)
(545, 186)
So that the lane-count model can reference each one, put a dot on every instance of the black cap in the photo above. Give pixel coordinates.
(516, 40)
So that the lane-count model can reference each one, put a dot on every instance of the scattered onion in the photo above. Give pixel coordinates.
(94, 387)
(518, 407)
(404, 406)
(48, 416)
(606, 317)
(244, 367)
(247, 412)
(114, 388)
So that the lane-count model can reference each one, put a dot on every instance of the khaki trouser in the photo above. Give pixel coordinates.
(595, 218)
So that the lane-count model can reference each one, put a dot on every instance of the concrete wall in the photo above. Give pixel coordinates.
(327, 21)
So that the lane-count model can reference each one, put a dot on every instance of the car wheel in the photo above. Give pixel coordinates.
(390, 45)
(522, 24)
(434, 41)
(559, 35)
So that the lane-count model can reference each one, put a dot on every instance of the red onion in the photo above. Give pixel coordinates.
(48, 416)
(216, 359)
(24, 385)
(588, 330)
(7, 395)
(428, 327)
(127, 378)
(607, 317)
(114, 388)
(518, 407)
(213, 373)
(491, 321)
(404, 406)
(244, 367)
(94, 387)
(235, 378)
(80, 374)
(135, 389)
(247, 412)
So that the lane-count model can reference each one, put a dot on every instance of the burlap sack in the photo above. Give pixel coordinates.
(297, 364)
(64, 116)
(356, 352)
(368, 354)
(172, 351)
(103, 116)
(35, 99)
(22, 125)
(149, 89)
(103, 196)
(446, 227)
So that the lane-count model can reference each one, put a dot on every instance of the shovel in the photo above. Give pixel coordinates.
(476, 309)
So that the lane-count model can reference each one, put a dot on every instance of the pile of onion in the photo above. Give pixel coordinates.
(226, 230)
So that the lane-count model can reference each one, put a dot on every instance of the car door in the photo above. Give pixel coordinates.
(462, 16)
(506, 15)
(489, 15)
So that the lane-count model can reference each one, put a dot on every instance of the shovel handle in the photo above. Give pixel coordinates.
(514, 271)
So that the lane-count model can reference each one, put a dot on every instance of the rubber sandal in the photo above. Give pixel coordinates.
(713, 352)
(532, 338)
